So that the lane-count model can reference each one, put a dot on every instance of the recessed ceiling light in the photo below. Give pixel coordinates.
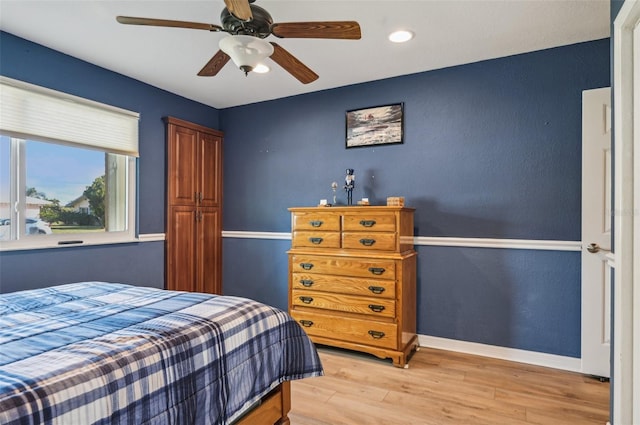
(261, 69)
(400, 36)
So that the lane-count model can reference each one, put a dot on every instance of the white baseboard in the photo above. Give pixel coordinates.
(512, 354)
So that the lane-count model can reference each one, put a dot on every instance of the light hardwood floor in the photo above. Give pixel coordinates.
(443, 387)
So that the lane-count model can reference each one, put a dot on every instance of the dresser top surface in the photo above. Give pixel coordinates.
(353, 208)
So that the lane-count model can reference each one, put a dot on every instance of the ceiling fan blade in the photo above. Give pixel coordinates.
(215, 64)
(329, 29)
(130, 20)
(292, 65)
(240, 9)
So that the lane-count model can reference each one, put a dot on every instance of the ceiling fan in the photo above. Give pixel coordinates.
(248, 25)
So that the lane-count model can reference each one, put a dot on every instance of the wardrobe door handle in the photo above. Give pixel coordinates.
(376, 308)
(376, 270)
(306, 300)
(376, 289)
(306, 282)
(367, 242)
(315, 223)
(306, 323)
(306, 266)
(316, 241)
(376, 334)
(367, 223)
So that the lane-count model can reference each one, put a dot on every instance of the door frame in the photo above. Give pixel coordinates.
(626, 327)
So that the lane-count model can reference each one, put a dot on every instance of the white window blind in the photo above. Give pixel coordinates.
(33, 112)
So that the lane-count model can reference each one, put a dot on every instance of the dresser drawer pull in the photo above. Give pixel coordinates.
(376, 289)
(306, 300)
(376, 334)
(306, 323)
(307, 266)
(367, 242)
(376, 308)
(367, 223)
(307, 282)
(376, 270)
(316, 241)
(315, 223)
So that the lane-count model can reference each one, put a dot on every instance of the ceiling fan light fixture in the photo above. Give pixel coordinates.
(400, 36)
(261, 69)
(246, 51)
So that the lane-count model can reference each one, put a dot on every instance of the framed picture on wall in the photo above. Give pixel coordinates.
(379, 125)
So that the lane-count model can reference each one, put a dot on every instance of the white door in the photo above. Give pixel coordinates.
(596, 231)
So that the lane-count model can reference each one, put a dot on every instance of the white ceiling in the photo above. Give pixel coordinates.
(448, 33)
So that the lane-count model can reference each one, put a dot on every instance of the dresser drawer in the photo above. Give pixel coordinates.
(315, 239)
(347, 303)
(369, 240)
(376, 288)
(344, 266)
(316, 221)
(368, 332)
(381, 222)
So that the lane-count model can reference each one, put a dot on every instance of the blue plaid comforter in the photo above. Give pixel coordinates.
(97, 353)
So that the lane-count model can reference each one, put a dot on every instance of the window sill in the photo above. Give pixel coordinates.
(29, 245)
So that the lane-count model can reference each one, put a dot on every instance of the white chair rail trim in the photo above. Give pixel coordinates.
(256, 235)
(550, 245)
(418, 241)
(151, 237)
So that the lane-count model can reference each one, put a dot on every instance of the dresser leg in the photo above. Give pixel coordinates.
(400, 361)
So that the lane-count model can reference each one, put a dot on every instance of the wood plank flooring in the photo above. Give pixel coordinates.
(443, 387)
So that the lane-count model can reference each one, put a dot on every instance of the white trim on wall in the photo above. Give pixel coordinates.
(548, 245)
(256, 235)
(442, 241)
(151, 237)
(512, 354)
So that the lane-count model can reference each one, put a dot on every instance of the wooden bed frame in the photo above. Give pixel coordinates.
(273, 409)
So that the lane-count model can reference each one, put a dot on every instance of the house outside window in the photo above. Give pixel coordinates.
(80, 205)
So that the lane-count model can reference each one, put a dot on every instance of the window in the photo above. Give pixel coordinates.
(67, 169)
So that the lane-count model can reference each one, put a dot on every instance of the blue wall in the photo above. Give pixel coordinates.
(491, 150)
(139, 263)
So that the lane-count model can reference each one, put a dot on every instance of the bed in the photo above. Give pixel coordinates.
(108, 353)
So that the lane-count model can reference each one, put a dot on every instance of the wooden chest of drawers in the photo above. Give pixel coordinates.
(352, 278)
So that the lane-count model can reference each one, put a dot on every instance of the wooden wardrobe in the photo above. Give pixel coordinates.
(193, 257)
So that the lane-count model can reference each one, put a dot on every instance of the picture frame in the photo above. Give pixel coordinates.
(375, 126)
